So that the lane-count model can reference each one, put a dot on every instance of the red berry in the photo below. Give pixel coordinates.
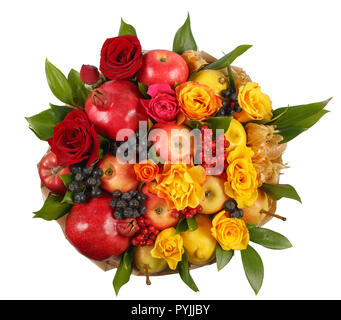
(188, 216)
(152, 236)
(134, 242)
(143, 243)
(205, 127)
(140, 237)
(150, 243)
(199, 208)
(147, 222)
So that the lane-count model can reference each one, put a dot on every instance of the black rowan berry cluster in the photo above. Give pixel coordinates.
(129, 204)
(231, 207)
(86, 181)
(230, 103)
(141, 147)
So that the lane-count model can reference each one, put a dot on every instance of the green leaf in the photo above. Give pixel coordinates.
(184, 39)
(279, 191)
(53, 209)
(184, 273)
(290, 133)
(60, 112)
(269, 239)
(58, 83)
(124, 270)
(297, 114)
(231, 56)
(66, 178)
(218, 123)
(223, 257)
(194, 124)
(192, 224)
(42, 124)
(182, 226)
(143, 89)
(79, 91)
(126, 28)
(68, 197)
(253, 267)
(231, 76)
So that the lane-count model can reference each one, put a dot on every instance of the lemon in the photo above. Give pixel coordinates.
(200, 244)
(212, 78)
(235, 134)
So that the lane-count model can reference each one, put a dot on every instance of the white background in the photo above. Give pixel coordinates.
(295, 58)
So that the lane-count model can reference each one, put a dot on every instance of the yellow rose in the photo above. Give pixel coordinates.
(180, 185)
(255, 104)
(168, 246)
(242, 178)
(197, 101)
(231, 233)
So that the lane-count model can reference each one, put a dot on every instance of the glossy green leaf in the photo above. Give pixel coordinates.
(42, 124)
(295, 115)
(184, 39)
(68, 197)
(269, 239)
(53, 209)
(253, 267)
(231, 76)
(182, 226)
(126, 28)
(66, 178)
(231, 56)
(194, 124)
(215, 123)
(58, 83)
(279, 191)
(60, 112)
(124, 270)
(79, 91)
(184, 273)
(143, 89)
(290, 133)
(192, 224)
(223, 257)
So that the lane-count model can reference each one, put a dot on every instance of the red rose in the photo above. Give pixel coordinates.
(121, 57)
(89, 74)
(74, 140)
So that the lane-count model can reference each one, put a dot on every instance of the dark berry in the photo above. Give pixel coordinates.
(76, 169)
(113, 203)
(237, 108)
(79, 197)
(221, 112)
(74, 186)
(133, 204)
(141, 197)
(96, 192)
(230, 205)
(126, 196)
(234, 97)
(128, 212)
(79, 177)
(142, 209)
(237, 213)
(225, 103)
(118, 214)
(133, 193)
(91, 181)
(136, 214)
(117, 194)
(97, 172)
(226, 93)
(87, 171)
(229, 112)
(121, 204)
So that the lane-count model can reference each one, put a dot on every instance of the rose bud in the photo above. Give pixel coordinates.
(89, 74)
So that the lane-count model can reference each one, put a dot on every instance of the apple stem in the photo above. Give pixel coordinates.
(274, 215)
(148, 282)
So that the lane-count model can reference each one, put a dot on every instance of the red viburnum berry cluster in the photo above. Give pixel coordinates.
(187, 212)
(147, 233)
(210, 156)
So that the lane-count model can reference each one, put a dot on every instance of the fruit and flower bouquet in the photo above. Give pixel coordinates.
(163, 161)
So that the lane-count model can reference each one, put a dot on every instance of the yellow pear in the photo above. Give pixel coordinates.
(235, 134)
(254, 213)
(212, 78)
(200, 244)
(143, 258)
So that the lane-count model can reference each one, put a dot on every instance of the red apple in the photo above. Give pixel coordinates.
(157, 210)
(92, 229)
(117, 175)
(115, 105)
(163, 66)
(173, 143)
(49, 171)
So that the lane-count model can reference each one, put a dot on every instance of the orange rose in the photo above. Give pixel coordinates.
(197, 101)
(146, 171)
